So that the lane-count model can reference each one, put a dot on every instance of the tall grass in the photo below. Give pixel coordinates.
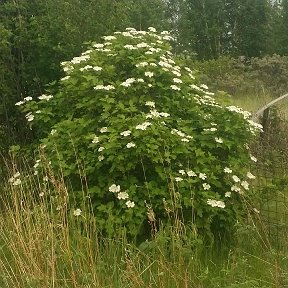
(43, 244)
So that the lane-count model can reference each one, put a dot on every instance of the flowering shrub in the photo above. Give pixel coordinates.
(152, 141)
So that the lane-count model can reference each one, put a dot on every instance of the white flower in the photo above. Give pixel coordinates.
(178, 74)
(204, 86)
(213, 129)
(228, 194)
(178, 179)
(218, 140)
(152, 29)
(177, 80)
(206, 186)
(125, 133)
(102, 87)
(97, 68)
(215, 203)
(227, 170)
(95, 140)
(235, 188)
(142, 45)
(150, 103)
(130, 47)
(45, 97)
(245, 185)
(99, 46)
(202, 176)
(174, 87)
(130, 145)
(103, 130)
(19, 103)
(250, 175)
(130, 204)
(41, 194)
(235, 178)
(140, 80)
(36, 165)
(185, 140)
(101, 149)
(182, 172)
(38, 111)
(164, 114)
(256, 210)
(114, 188)
(143, 126)
(254, 159)
(109, 38)
(191, 173)
(101, 158)
(77, 60)
(30, 117)
(122, 195)
(142, 64)
(28, 98)
(16, 182)
(188, 69)
(86, 68)
(77, 212)
(149, 74)
(53, 131)
(64, 79)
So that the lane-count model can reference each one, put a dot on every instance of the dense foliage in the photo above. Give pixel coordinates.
(149, 138)
(37, 35)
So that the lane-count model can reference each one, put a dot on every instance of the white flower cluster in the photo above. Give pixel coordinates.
(143, 126)
(126, 133)
(65, 78)
(219, 140)
(36, 165)
(191, 173)
(154, 113)
(228, 170)
(149, 74)
(255, 127)
(77, 60)
(15, 179)
(212, 129)
(88, 67)
(184, 137)
(246, 114)
(26, 99)
(103, 87)
(121, 195)
(128, 82)
(77, 212)
(67, 67)
(45, 97)
(150, 104)
(131, 145)
(29, 116)
(242, 183)
(216, 203)
(95, 140)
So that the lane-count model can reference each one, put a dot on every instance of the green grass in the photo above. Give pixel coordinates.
(44, 247)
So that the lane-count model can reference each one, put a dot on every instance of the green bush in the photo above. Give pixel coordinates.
(152, 142)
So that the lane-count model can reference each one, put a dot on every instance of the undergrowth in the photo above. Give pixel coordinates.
(41, 247)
